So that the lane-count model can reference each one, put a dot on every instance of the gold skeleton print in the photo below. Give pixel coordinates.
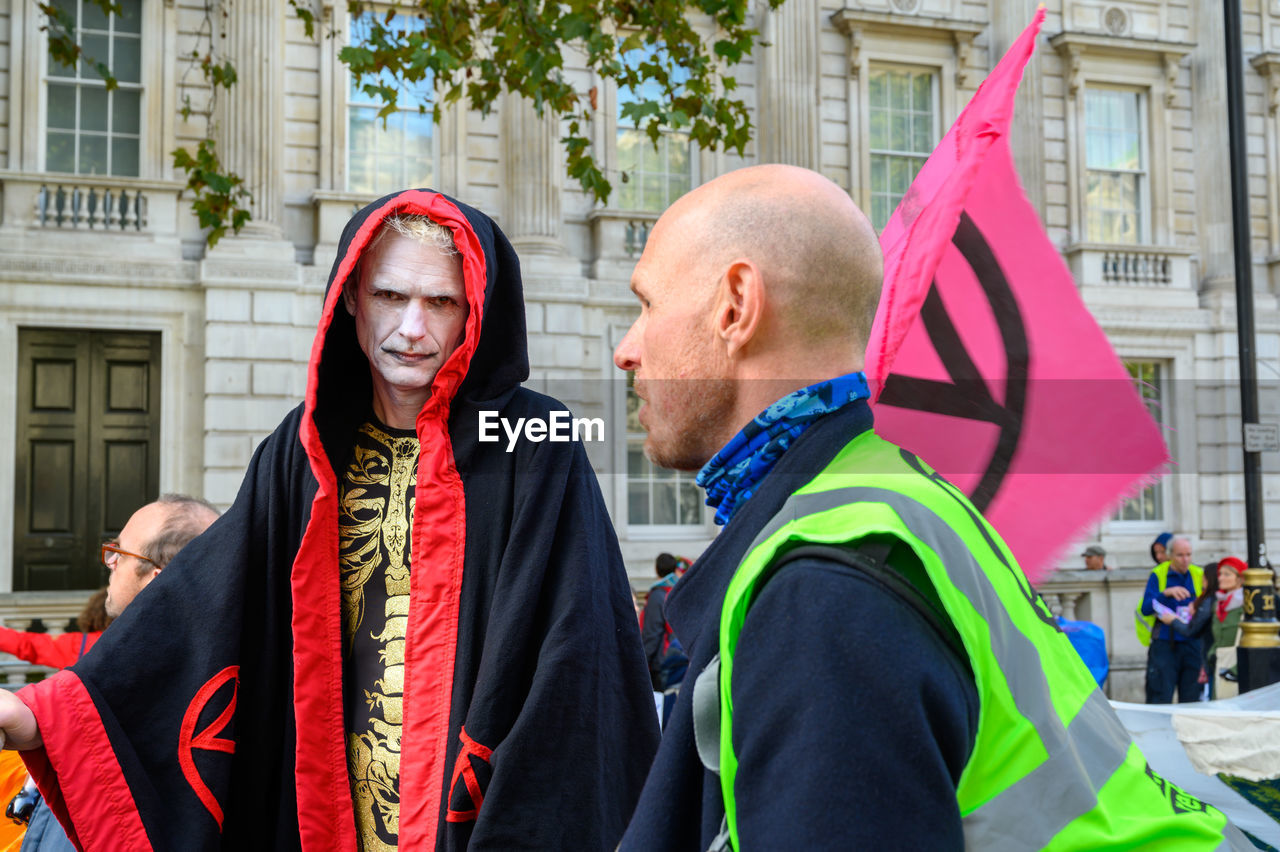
(374, 523)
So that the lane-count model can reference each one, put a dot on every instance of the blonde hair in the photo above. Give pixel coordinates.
(411, 225)
(416, 227)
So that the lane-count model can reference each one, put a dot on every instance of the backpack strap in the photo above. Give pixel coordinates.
(875, 557)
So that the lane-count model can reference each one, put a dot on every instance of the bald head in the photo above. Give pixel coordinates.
(818, 253)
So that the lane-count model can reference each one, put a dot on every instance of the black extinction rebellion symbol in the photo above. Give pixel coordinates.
(968, 395)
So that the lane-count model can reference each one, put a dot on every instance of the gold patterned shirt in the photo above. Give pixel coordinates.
(374, 522)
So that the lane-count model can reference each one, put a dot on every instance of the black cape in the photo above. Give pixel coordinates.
(211, 715)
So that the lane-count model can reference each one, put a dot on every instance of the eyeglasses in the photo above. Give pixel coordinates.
(111, 552)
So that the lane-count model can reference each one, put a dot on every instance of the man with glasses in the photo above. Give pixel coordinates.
(153, 536)
(150, 539)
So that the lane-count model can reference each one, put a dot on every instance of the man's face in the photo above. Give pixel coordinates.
(410, 309)
(1180, 556)
(680, 373)
(1093, 562)
(126, 581)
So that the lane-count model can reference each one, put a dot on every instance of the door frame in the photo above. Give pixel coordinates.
(181, 390)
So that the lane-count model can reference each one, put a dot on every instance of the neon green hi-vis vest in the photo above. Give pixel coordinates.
(1146, 624)
(1052, 767)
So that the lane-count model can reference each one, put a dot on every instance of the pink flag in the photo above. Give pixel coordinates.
(987, 363)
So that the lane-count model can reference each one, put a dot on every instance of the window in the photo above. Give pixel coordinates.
(1147, 504)
(651, 178)
(89, 130)
(1116, 164)
(384, 159)
(903, 112)
(656, 496)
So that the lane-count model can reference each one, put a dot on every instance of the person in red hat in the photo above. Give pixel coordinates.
(1229, 607)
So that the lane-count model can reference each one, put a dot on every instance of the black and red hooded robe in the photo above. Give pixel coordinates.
(211, 716)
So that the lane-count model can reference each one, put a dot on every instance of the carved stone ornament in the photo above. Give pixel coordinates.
(907, 6)
(1116, 20)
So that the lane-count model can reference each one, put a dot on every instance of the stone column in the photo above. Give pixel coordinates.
(1008, 19)
(789, 119)
(251, 113)
(534, 179)
(1212, 174)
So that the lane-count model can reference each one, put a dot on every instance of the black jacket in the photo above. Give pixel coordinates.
(211, 716)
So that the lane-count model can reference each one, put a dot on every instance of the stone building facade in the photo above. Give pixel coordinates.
(136, 361)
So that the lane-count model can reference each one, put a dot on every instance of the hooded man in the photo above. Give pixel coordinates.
(868, 666)
(399, 635)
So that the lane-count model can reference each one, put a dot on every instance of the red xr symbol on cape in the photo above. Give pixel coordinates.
(208, 739)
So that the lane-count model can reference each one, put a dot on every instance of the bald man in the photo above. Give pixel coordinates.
(869, 667)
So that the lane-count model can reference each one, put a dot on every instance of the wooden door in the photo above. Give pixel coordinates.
(87, 451)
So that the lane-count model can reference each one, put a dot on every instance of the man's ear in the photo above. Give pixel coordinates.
(740, 305)
(349, 290)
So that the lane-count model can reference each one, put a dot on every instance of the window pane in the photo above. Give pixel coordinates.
(93, 155)
(879, 129)
(95, 47)
(877, 89)
(92, 17)
(387, 175)
(60, 152)
(690, 503)
(899, 177)
(93, 108)
(922, 93)
(130, 18)
(62, 106)
(664, 503)
(635, 460)
(124, 157)
(417, 130)
(125, 108)
(899, 91)
(358, 179)
(879, 174)
(653, 191)
(900, 131)
(126, 60)
(637, 503)
(922, 135)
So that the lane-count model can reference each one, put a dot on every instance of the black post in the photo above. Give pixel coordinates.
(1259, 652)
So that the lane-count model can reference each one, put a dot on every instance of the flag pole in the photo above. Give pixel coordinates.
(1259, 653)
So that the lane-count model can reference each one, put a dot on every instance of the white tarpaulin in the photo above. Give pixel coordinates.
(1235, 736)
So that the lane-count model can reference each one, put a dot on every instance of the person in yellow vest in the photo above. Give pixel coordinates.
(870, 667)
(1174, 660)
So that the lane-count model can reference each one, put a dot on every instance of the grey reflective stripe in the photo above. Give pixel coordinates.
(1235, 841)
(1057, 791)
(722, 841)
(706, 715)
(1093, 748)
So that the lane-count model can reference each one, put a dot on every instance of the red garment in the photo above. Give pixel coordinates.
(1228, 601)
(57, 652)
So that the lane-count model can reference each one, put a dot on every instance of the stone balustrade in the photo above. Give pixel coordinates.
(108, 205)
(617, 238)
(38, 611)
(1130, 266)
(74, 205)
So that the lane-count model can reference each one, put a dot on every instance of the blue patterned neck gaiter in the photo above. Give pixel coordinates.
(734, 473)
